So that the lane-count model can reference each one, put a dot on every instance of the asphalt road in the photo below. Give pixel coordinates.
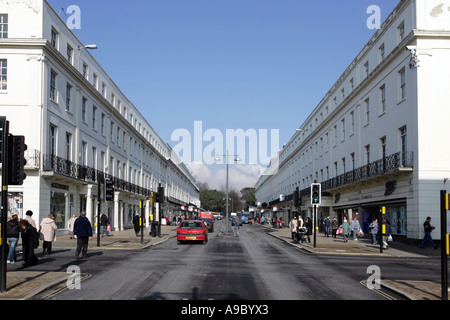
(252, 266)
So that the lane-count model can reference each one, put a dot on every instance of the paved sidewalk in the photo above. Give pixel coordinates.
(413, 290)
(24, 285)
(120, 240)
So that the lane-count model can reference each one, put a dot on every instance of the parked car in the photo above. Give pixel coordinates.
(192, 230)
(209, 224)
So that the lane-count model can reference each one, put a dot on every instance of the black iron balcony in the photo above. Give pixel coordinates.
(79, 172)
(395, 162)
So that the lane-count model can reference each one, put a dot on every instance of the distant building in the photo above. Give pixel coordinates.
(379, 136)
(79, 127)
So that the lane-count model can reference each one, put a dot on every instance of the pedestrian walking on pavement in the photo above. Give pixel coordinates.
(334, 227)
(28, 217)
(104, 221)
(30, 242)
(71, 223)
(327, 224)
(293, 226)
(428, 229)
(83, 230)
(309, 227)
(355, 228)
(12, 237)
(48, 233)
(373, 230)
(387, 233)
(136, 223)
(346, 229)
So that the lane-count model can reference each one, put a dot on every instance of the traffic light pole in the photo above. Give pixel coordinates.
(141, 224)
(99, 209)
(316, 227)
(4, 208)
(444, 244)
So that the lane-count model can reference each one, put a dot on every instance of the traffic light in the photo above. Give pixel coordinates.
(296, 198)
(161, 198)
(16, 160)
(316, 194)
(109, 190)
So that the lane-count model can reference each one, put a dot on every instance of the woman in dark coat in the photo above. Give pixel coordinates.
(30, 241)
(309, 226)
(136, 223)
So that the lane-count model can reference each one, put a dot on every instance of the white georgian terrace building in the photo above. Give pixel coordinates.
(78, 125)
(379, 137)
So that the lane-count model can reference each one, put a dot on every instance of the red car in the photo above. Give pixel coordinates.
(192, 230)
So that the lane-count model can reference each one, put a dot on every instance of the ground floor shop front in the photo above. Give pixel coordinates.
(63, 198)
(407, 202)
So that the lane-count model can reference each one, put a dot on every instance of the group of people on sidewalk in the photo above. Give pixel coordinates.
(31, 237)
(346, 229)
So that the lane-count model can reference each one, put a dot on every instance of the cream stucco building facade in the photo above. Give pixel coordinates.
(79, 127)
(378, 137)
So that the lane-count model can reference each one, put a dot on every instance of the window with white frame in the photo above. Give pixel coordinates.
(70, 54)
(68, 96)
(94, 157)
(352, 158)
(83, 152)
(352, 122)
(52, 140)
(403, 145)
(401, 31)
(3, 74)
(52, 85)
(366, 69)
(367, 149)
(54, 38)
(103, 124)
(3, 26)
(402, 77)
(94, 117)
(383, 147)
(85, 71)
(383, 98)
(111, 133)
(95, 81)
(83, 109)
(367, 111)
(381, 52)
(68, 146)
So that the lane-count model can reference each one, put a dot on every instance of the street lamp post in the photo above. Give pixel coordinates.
(236, 159)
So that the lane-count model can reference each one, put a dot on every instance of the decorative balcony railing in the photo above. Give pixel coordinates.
(84, 173)
(391, 163)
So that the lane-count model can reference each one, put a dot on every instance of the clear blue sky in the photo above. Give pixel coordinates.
(261, 64)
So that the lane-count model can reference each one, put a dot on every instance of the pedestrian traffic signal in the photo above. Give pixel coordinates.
(161, 198)
(316, 193)
(16, 160)
(109, 190)
(296, 198)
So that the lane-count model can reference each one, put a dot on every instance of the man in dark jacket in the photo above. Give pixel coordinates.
(12, 236)
(83, 230)
(427, 229)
